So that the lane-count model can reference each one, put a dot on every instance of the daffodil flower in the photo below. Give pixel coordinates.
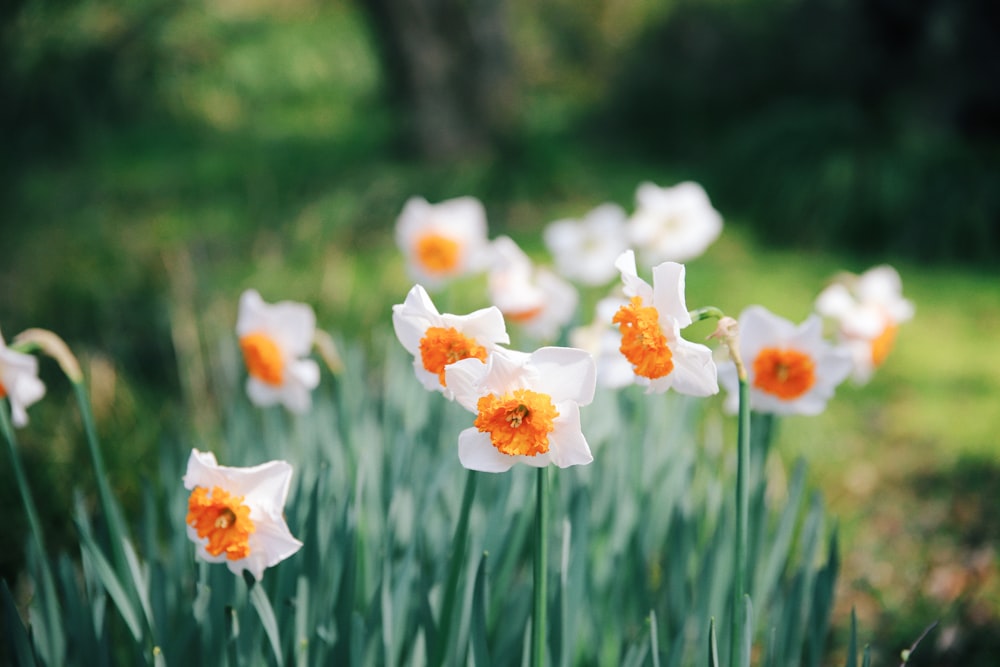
(442, 241)
(235, 515)
(274, 338)
(790, 368)
(527, 408)
(673, 224)
(650, 324)
(534, 298)
(19, 382)
(602, 338)
(868, 311)
(585, 250)
(437, 340)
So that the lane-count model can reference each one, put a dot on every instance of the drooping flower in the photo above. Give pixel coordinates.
(437, 340)
(534, 298)
(442, 241)
(19, 382)
(868, 310)
(790, 368)
(674, 224)
(650, 324)
(527, 408)
(235, 515)
(274, 338)
(585, 250)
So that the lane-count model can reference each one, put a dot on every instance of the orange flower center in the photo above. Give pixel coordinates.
(438, 254)
(443, 346)
(263, 358)
(3, 391)
(643, 342)
(522, 316)
(223, 519)
(519, 423)
(786, 374)
(882, 344)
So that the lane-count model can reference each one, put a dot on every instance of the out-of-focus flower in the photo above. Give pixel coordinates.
(436, 340)
(673, 224)
(868, 310)
(274, 338)
(442, 241)
(790, 368)
(235, 515)
(585, 250)
(534, 298)
(527, 408)
(650, 324)
(19, 382)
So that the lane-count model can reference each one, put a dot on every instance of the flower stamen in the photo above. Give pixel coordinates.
(223, 519)
(787, 374)
(643, 342)
(519, 423)
(442, 346)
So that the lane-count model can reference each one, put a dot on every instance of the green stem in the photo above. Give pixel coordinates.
(459, 547)
(51, 609)
(538, 621)
(742, 513)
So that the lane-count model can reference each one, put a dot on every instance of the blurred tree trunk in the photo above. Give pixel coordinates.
(448, 72)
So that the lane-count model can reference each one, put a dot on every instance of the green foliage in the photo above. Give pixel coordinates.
(644, 536)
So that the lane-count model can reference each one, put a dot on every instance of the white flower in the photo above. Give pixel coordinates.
(273, 338)
(650, 325)
(235, 515)
(437, 340)
(868, 312)
(19, 382)
(539, 301)
(790, 369)
(527, 408)
(585, 250)
(442, 241)
(673, 224)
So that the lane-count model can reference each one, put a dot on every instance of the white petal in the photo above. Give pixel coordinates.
(465, 382)
(567, 444)
(263, 394)
(476, 452)
(668, 293)
(694, 373)
(565, 374)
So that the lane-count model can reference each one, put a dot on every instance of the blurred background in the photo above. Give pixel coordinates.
(160, 156)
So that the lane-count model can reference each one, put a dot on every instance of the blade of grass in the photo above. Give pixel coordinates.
(258, 598)
(480, 651)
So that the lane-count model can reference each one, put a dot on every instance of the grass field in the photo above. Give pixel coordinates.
(272, 169)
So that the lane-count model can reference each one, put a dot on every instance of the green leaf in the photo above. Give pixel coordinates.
(258, 598)
(102, 568)
(746, 648)
(713, 648)
(17, 640)
(478, 633)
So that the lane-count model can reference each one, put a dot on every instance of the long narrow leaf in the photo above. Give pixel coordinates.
(123, 601)
(480, 651)
(18, 643)
(258, 598)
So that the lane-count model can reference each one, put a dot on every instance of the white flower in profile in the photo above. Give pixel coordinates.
(236, 515)
(868, 310)
(534, 298)
(442, 241)
(650, 325)
(436, 340)
(585, 250)
(791, 370)
(674, 224)
(274, 338)
(527, 408)
(19, 382)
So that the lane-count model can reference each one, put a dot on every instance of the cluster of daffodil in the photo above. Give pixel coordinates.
(526, 404)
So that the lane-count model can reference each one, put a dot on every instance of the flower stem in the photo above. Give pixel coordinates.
(459, 546)
(742, 512)
(538, 621)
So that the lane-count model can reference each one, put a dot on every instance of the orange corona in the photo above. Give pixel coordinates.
(223, 519)
(438, 254)
(263, 358)
(787, 374)
(442, 346)
(519, 422)
(882, 344)
(643, 342)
